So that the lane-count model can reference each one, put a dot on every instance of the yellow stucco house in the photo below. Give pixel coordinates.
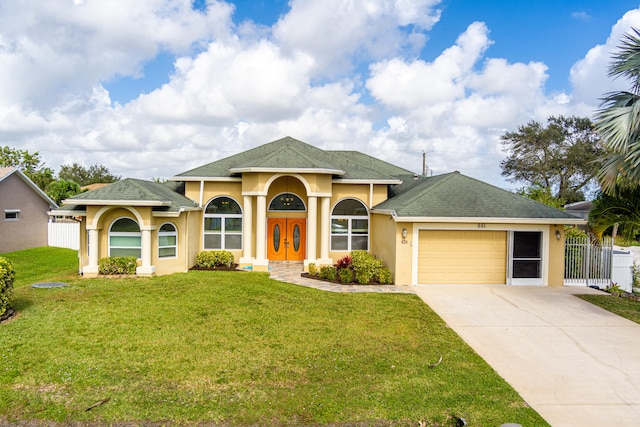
(290, 201)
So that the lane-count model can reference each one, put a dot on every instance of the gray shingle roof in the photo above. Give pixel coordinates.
(137, 191)
(455, 195)
(291, 154)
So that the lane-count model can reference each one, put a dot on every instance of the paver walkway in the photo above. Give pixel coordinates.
(290, 272)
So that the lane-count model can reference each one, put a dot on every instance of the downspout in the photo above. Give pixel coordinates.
(370, 195)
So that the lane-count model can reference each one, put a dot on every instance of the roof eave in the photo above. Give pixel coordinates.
(288, 170)
(175, 214)
(206, 178)
(486, 220)
(367, 181)
(93, 202)
(63, 212)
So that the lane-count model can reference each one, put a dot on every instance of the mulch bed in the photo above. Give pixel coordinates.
(7, 315)
(337, 281)
(232, 267)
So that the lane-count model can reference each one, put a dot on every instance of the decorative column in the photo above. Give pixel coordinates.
(91, 270)
(146, 269)
(247, 232)
(325, 221)
(261, 262)
(312, 230)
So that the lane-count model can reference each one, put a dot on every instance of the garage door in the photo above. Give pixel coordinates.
(462, 257)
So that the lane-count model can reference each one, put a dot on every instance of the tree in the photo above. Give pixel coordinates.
(61, 189)
(28, 163)
(561, 157)
(83, 176)
(621, 208)
(618, 120)
(543, 195)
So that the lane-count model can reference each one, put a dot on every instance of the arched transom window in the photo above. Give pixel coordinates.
(287, 202)
(167, 241)
(125, 238)
(223, 224)
(349, 226)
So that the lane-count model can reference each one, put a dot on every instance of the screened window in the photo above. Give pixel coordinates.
(527, 256)
(223, 224)
(287, 202)
(167, 241)
(125, 238)
(12, 214)
(349, 226)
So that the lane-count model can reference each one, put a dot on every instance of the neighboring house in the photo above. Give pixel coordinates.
(579, 209)
(290, 201)
(24, 208)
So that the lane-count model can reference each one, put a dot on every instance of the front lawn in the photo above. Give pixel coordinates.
(235, 348)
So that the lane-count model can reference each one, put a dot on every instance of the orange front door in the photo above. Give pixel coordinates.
(286, 239)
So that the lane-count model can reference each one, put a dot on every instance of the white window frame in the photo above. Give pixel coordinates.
(124, 234)
(8, 213)
(173, 233)
(223, 231)
(350, 219)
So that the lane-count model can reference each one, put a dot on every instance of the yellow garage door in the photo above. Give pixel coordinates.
(462, 257)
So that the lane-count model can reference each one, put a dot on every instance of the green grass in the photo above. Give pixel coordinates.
(235, 348)
(620, 306)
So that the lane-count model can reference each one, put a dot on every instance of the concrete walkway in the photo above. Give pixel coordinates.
(574, 363)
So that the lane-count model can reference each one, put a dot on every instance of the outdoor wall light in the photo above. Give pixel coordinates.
(404, 233)
(558, 234)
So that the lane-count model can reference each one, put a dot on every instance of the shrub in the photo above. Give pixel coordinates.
(365, 265)
(328, 272)
(345, 275)
(344, 262)
(384, 276)
(212, 259)
(7, 274)
(118, 265)
(313, 270)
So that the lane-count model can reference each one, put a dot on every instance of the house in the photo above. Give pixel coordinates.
(290, 201)
(24, 208)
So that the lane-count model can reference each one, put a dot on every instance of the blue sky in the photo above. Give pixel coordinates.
(153, 88)
(557, 33)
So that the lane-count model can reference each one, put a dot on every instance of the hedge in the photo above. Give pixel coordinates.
(7, 275)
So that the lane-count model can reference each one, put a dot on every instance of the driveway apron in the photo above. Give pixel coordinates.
(574, 363)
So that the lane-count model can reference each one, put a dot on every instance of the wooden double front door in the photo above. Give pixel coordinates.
(286, 239)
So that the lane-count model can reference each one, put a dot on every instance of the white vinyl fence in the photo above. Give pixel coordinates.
(588, 263)
(64, 235)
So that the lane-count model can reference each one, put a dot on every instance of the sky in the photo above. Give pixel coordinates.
(153, 88)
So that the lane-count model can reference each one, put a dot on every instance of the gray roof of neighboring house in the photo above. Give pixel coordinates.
(5, 172)
(454, 195)
(164, 197)
(291, 154)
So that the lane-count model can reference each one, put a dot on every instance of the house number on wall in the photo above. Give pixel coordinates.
(482, 225)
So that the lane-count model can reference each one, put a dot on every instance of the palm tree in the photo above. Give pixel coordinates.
(618, 120)
(620, 210)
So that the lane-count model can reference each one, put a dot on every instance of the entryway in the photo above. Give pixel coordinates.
(286, 239)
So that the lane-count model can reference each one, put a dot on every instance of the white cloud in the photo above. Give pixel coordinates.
(589, 76)
(338, 33)
(337, 74)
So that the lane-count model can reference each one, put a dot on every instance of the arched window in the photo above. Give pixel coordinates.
(167, 241)
(125, 238)
(349, 226)
(287, 202)
(223, 224)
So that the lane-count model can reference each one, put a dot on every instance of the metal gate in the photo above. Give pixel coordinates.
(588, 263)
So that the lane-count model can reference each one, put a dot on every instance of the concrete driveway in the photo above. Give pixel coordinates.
(574, 363)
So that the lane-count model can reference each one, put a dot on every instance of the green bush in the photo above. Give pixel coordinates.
(313, 270)
(384, 276)
(118, 265)
(7, 274)
(345, 275)
(213, 259)
(328, 272)
(365, 265)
